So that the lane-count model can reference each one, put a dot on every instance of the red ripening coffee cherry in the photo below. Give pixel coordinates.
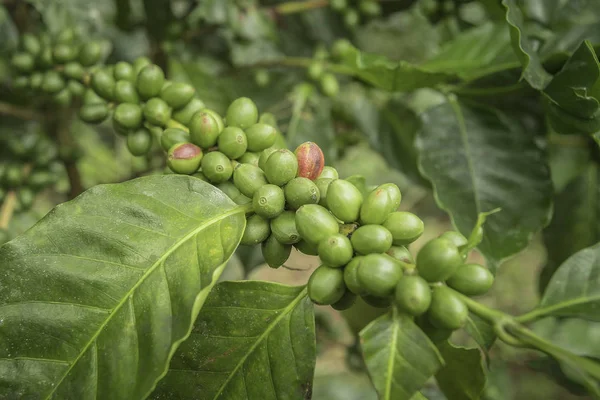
(310, 160)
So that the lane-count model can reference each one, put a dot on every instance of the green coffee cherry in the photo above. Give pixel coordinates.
(73, 70)
(64, 53)
(370, 8)
(262, 77)
(351, 18)
(13, 176)
(216, 116)
(204, 129)
(329, 85)
(91, 97)
(447, 311)
(217, 167)
(264, 156)
(351, 276)
(178, 94)
(379, 274)
(31, 44)
(371, 239)
(53, 82)
(248, 179)
(25, 197)
(378, 302)
(150, 81)
(336, 250)
(44, 60)
(257, 230)
(394, 193)
(90, 54)
(249, 158)
(66, 35)
(315, 223)
(323, 186)
(139, 142)
(157, 112)
(124, 72)
(268, 201)
(93, 113)
(140, 63)
(300, 191)
(413, 295)
(338, 5)
(41, 179)
(283, 227)
(36, 79)
(306, 248)
(347, 301)
(456, 238)
(232, 142)
(376, 207)
(315, 70)
(185, 114)
(171, 136)
(471, 280)
(75, 88)
(282, 167)
(21, 82)
(242, 113)
(438, 260)
(63, 98)
(329, 172)
(405, 227)
(229, 189)
(23, 62)
(184, 158)
(104, 84)
(275, 253)
(128, 116)
(400, 253)
(260, 136)
(344, 200)
(326, 285)
(125, 92)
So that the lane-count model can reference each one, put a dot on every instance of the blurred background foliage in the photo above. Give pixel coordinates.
(266, 49)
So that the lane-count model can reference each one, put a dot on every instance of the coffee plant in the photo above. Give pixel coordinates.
(186, 137)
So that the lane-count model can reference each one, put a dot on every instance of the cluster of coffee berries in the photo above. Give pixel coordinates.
(55, 66)
(139, 101)
(352, 12)
(29, 164)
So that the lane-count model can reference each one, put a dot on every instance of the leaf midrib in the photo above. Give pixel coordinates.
(175, 246)
(391, 360)
(259, 340)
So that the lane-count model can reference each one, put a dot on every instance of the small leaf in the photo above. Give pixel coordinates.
(478, 160)
(400, 357)
(533, 71)
(574, 290)
(481, 332)
(572, 88)
(463, 376)
(393, 76)
(474, 237)
(476, 52)
(252, 340)
(97, 296)
(576, 217)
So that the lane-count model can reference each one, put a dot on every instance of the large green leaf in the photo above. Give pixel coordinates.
(98, 295)
(463, 376)
(574, 290)
(479, 160)
(533, 70)
(400, 357)
(479, 51)
(252, 340)
(576, 217)
(579, 336)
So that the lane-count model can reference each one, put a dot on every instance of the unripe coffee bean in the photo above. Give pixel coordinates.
(281, 167)
(184, 158)
(268, 201)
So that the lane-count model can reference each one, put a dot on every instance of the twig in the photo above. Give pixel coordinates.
(23, 113)
(10, 201)
(293, 7)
